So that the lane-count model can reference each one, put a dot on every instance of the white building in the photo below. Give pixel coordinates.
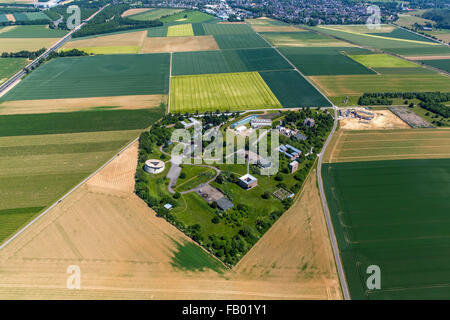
(154, 166)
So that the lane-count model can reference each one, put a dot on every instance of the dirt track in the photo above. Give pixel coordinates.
(125, 251)
(384, 119)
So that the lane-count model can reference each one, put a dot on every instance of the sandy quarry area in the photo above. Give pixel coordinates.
(179, 44)
(79, 104)
(135, 39)
(384, 119)
(124, 251)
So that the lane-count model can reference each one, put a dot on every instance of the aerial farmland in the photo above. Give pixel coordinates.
(89, 124)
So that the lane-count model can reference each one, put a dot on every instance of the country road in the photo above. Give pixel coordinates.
(326, 210)
(332, 235)
(13, 81)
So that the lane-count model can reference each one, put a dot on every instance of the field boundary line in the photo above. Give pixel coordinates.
(28, 225)
(333, 240)
(170, 83)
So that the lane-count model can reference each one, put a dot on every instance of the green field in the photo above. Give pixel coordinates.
(304, 38)
(242, 41)
(405, 234)
(325, 60)
(227, 61)
(181, 30)
(187, 16)
(154, 14)
(96, 76)
(81, 121)
(191, 257)
(157, 32)
(340, 86)
(384, 42)
(443, 64)
(383, 61)
(216, 29)
(9, 66)
(292, 90)
(233, 91)
(32, 32)
(30, 16)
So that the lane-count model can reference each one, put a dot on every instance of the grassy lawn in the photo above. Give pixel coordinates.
(9, 66)
(187, 16)
(234, 91)
(201, 177)
(383, 61)
(154, 14)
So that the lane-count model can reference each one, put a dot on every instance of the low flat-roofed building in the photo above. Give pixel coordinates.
(260, 122)
(248, 181)
(224, 204)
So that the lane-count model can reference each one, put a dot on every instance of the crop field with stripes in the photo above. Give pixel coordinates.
(232, 91)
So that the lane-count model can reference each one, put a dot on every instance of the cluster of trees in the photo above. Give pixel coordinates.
(431, 101)
(440, 16)
(317, 135)
(110, 20)
(24, 54)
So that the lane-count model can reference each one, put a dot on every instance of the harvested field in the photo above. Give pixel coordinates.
(408, 116)
(19, 44)
(265, 28)
(10, 17)
(179, 44)
(135, 39)
(232, 91)
(384, 119)
(81, 104)
(371, 145)
(303, 39)
(143, 253)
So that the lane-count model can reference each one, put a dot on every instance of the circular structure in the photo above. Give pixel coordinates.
(154, 166)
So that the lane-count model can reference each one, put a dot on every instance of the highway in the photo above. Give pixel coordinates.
(11, 82)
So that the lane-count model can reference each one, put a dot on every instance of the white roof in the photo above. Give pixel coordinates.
(154, 163)
(248, 178)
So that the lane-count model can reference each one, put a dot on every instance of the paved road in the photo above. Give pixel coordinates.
(332, 235)
(334, 244)
(11, 82)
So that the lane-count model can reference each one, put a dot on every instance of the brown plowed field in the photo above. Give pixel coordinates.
(125, 252)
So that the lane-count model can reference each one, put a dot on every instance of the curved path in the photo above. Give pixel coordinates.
(173, 179)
